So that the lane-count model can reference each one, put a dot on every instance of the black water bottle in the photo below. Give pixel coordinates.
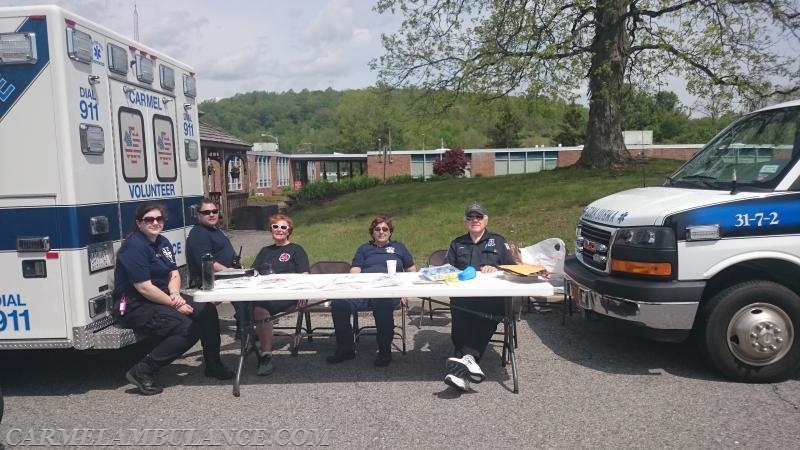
(207, 272)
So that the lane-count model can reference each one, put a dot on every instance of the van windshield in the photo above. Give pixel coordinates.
(756, 152)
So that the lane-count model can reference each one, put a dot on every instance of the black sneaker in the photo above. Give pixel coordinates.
(218, 371)
(383, 359)
(338, 357)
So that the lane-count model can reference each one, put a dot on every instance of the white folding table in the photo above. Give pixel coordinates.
(317, 288)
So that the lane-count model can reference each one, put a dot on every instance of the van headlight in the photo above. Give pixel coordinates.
(647, 251)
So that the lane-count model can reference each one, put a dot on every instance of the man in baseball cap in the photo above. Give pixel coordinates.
(476, 208)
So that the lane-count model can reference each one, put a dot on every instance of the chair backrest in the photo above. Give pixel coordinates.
(330, 267)
(437, 258)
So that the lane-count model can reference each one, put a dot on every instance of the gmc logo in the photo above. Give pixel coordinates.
(589, 245)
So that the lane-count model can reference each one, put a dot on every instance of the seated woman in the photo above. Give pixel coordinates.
(147, 299)
(371, 258)
(282, 256)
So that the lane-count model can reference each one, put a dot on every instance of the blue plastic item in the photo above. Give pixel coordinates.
(467, 274)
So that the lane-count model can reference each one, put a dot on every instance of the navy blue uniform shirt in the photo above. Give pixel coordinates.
(140, 260)
(202, 240)
(490, 250)
(372, 258)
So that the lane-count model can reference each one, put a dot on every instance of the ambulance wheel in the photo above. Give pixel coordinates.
(749, 331)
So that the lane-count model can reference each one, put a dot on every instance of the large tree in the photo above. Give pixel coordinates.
(739, 50)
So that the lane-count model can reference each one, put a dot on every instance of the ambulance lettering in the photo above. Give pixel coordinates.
(150, 190)
(146, 100)
(188, 125)
(14, 316)
(88, 104)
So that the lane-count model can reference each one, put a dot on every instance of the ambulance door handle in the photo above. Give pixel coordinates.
(165, 100)
(94, 79)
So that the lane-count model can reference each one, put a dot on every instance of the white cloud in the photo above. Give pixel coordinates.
(240, 46)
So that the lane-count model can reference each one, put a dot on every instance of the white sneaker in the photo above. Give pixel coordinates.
(457, 382)
(468, 364)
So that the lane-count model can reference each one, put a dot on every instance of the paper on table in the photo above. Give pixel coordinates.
(549, 253)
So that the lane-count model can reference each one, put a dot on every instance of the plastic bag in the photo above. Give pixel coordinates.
(549, 253)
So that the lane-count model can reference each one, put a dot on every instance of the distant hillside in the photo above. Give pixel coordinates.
(356, 121)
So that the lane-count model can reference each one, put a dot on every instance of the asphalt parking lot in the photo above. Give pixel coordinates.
(582, 385)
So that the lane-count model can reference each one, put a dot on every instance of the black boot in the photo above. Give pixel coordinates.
(215, 369)
(143, 375)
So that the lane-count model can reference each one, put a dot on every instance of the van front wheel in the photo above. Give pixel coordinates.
(749, 331)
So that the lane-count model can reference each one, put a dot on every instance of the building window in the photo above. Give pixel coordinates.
(283, 172)
(422, 165)
(234, 170)
(264, 179)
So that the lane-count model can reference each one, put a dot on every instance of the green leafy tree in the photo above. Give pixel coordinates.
(506, 132)
(550, 46)
(572, 127)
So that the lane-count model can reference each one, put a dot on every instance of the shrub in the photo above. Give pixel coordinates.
(453, 162)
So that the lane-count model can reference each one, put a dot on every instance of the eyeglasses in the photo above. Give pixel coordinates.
(209, 212)
(151, 220)
(275, 226)
(470, 218)
(381, 229)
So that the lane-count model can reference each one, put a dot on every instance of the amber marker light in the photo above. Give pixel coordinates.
(662, 269)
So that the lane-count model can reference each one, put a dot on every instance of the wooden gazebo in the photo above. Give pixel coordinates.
(225, 171)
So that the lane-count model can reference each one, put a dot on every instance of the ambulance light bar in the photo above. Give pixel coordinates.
(79, 45)
(17, 48)
(144, 69)
(192, 154)
(189, 86)
(167, 77)
(117, 59)
(92, 139)
(33, 244)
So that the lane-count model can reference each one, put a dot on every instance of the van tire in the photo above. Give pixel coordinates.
(739, 324)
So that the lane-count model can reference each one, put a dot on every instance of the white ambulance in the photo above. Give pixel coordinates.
(92, 124)
(714, 252)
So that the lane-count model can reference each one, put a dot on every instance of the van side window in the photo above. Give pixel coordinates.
(163, 138)
(132, 146)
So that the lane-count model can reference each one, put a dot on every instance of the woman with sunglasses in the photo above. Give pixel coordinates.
(371, 258)
(147, 299)
(470, 333)
(282, 256)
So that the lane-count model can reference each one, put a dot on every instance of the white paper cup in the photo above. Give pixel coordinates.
(391, 266)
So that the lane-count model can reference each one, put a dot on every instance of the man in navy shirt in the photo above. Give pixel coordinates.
(371, 258)
(207, 238)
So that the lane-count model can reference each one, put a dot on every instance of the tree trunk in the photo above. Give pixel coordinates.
(604, 146)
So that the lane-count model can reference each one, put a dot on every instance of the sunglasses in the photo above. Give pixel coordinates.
(209, 212)
(275, 226)
(151, 220)
(474, 217)
(381, 229)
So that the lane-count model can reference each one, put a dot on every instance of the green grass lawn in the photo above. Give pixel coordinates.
(524, 208)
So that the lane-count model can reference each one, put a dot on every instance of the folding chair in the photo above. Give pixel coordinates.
(304, 313)
(437, 258)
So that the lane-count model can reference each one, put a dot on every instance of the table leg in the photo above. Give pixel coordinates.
(245, 342)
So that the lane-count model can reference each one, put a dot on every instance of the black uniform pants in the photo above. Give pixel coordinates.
(470, 330)
(178, 331)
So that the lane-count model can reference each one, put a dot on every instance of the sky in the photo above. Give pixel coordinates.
(239, 46)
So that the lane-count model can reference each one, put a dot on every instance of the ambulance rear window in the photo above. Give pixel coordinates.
(163, 137)
(132, 145)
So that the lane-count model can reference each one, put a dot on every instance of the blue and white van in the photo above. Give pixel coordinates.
(92, 124)
(713, 253)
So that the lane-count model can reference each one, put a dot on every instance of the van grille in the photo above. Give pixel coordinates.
(595, 240)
